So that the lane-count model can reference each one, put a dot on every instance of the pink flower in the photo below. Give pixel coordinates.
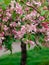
(14, 31)
(33, 27)
(27, 8)
(41, 30)
(47, 33)
(37, 3)
(12, 4)
(31, 42)
(13, 24)
(15, 36)
(30, 28)
(41, 18)
(8, 14)
(2, 34)
(33, 13)
(19, 35)
(23, 30)
(28, 17)
(29, 4)
(45, 24)
(18, 9)
(5, 19)
(6, 28)
(31, 16)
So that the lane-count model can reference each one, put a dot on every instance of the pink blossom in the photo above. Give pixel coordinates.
(33, 27)
(6, 28)
(41, 30)
(28, 3)
(14, 31)
(8, 14)
(5, 19)
(13, 24)
(37, 3)
(12, 4)
(47, 33)
(15, 36)
(28, 17)
(2, 34)
(27, 8)
(47, 29)
(23, 30)
(33, 13)
(31, 16)
(19, 34)
(41, 18)
(11, 18)
(30, 28)
(46, 25)
(18, 9)
(31, 42)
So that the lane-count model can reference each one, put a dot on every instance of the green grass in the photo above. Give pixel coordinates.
(35, 57)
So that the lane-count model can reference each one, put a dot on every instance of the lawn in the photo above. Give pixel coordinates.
(35, 57)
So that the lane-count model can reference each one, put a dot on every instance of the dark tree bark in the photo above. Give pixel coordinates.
(23, 53)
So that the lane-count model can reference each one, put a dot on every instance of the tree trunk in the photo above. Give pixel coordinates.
(23, 53)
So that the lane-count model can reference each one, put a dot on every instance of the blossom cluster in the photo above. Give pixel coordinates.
(14, 15)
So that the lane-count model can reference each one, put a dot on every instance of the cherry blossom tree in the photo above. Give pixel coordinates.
(26, 21)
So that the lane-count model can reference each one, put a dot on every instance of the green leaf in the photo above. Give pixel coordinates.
(32, 37)
(28, 45)
(43, 13)
(41, 38)
(3, 6)
(7, 2)
(8, 43)
(14, 15)
(22, 16)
